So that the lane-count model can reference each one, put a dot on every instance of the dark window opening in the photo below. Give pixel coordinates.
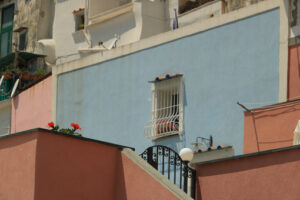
(23, 40)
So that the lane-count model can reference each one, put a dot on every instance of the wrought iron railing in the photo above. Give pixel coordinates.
(5, 88)
(169, 163)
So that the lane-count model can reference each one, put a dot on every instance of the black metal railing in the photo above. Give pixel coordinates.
(169, 163)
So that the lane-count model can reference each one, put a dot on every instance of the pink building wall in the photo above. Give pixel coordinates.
(294, 72)
(60, 167)
(32, 107)
(270, 176)
(271, 127)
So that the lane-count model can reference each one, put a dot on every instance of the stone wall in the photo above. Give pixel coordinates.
(37, 16)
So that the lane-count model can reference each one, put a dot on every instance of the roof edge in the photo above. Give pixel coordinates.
(249, 155)
(65, 135)
(275, 105)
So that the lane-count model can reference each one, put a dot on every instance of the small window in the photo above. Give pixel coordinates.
(79, 19)
(167, 107)
(23, 40)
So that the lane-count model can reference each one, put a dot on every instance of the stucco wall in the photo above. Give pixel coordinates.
(271, 176)
(73, 169)
(43, 165)
(272, 128)
(37, 16)
(63, 29)
(17, 167)
(112, 100)
(294, 72)
(139, 184)
(143, 19)
(32, 108)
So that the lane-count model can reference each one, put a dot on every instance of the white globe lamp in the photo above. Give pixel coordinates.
(186, 154)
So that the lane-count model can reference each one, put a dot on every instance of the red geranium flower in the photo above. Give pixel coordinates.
(51, 124)
(75, 126)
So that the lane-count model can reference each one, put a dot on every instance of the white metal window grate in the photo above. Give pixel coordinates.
(167, 109)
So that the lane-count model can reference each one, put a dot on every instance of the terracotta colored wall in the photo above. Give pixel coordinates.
(73, 169)
(48, 166)
(32, 108)
(271, 176)
(140, 185)
(17, 167)
(294, 72)
(270, 129)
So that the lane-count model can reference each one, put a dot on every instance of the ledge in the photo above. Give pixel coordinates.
(65, 135)
(260, 153)
(78, 34)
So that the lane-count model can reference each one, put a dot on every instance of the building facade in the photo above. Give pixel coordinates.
(219, 63)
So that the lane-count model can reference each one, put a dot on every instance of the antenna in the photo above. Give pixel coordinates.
(1, 80)
(15, 88)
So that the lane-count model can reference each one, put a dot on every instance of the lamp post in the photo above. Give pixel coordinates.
(186, 155)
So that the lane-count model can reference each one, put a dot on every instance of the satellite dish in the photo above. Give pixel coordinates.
(14, 88)
(1, 80)
(113, 43)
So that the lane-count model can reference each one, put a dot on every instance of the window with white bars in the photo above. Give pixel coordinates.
(167, 108)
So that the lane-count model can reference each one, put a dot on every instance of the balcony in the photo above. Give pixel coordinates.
(100, 10)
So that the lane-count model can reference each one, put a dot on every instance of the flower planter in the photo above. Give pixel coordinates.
(80, 28)
(25, 77)
(36, 77)
(7, 76)
(166, 127)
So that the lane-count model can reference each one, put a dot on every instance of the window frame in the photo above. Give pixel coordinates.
(8, 30)
(163, 125)
(23, 43)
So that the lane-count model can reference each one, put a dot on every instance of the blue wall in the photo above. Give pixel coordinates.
(230, 63)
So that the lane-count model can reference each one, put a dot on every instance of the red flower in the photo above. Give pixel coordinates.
(75, 126)
(51, 124)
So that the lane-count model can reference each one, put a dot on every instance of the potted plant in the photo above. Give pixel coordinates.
(80, 27)
(8, 73)
(38, 74)
(69, 131)
(166, 126)
(24, 75)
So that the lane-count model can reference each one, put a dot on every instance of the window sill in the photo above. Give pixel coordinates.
(78, 34)
(110, 14)
(162, 135)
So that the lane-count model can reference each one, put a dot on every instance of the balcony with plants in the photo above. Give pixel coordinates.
(19, 72)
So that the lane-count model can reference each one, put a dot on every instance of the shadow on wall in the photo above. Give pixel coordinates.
(175, 142)
(120, 180)
(267, 116)
(298, 62)
(116, 26)
(16, 106)
(270, 128)
(16, 141)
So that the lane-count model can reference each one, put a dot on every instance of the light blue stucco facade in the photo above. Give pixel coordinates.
(234, 62)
